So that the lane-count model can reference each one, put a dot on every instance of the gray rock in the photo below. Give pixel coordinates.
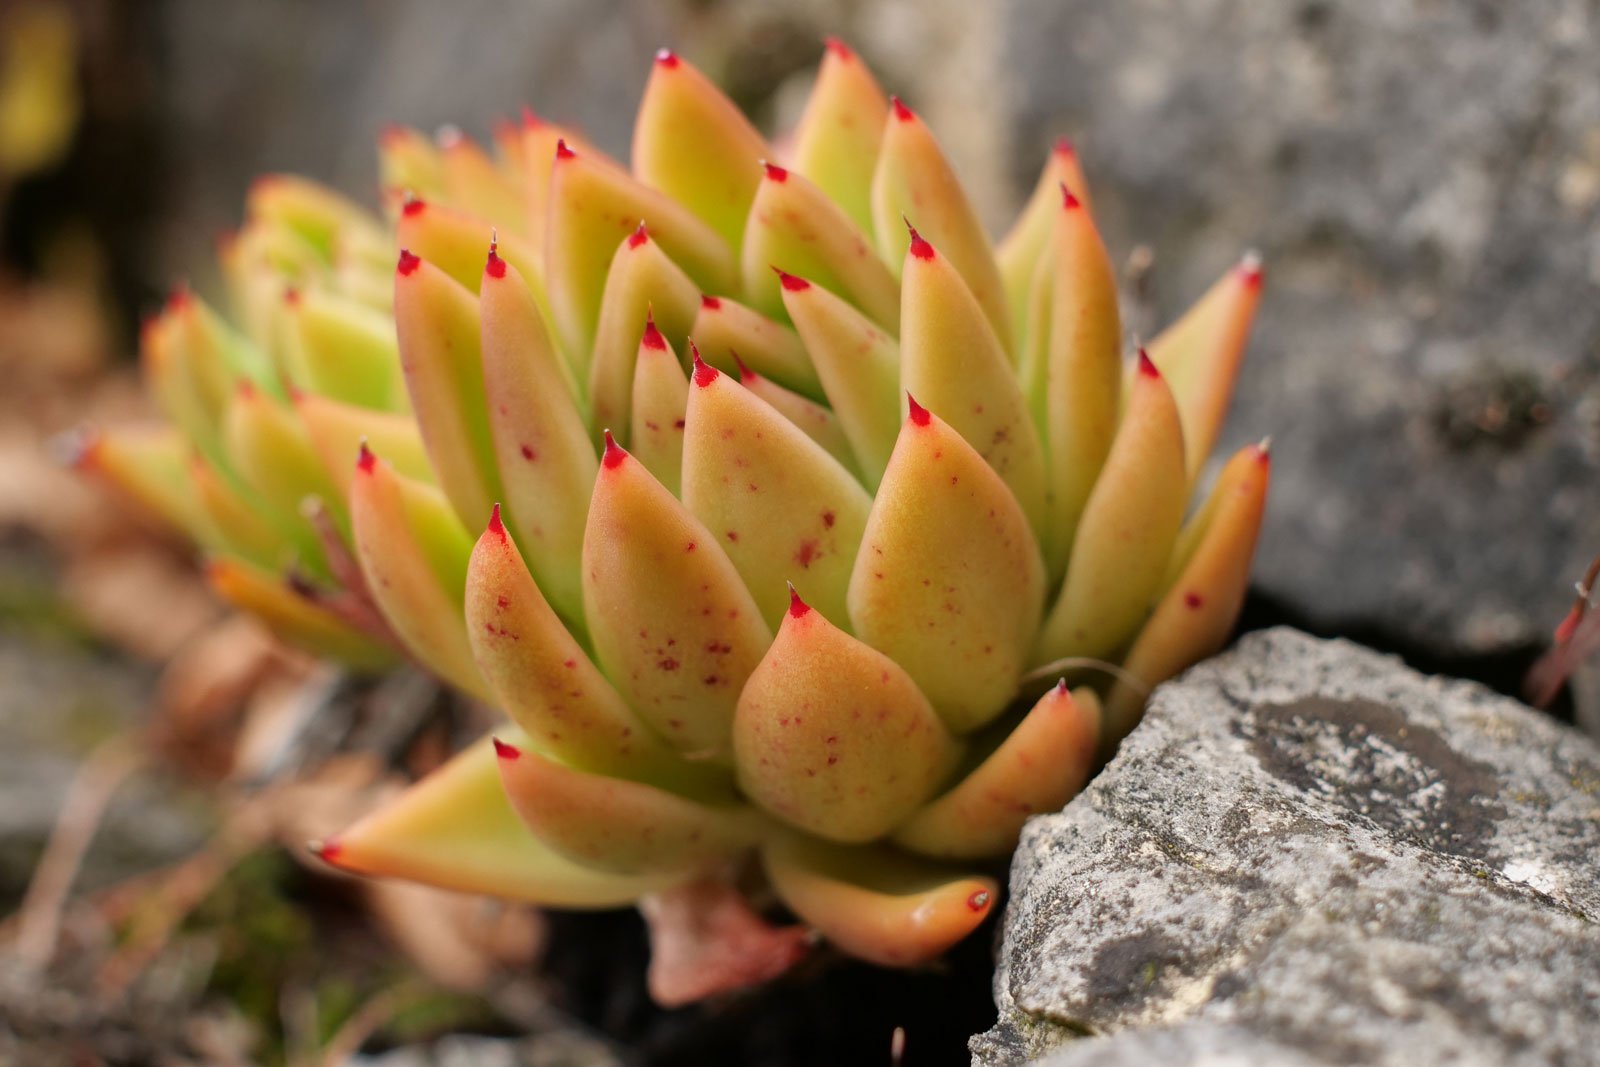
(1424, 179)
(1309, 854)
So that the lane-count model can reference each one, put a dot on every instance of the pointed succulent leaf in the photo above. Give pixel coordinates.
(728, 333)
(914, 182)
(642, 283)
(239, 526)
(836, 141)
(407, 540)
(1083, 371)
(794, 225)
(594, 205)
(1035, 770)
(673, 624)
(814, 420)
(310, 208)
(949, 582)
(1197, 613)
(436, 320)
(509, 152)
(164, 363)
(293, 618)
(539, 140)
(784, 509)
(693, 143)
(953, 363)
(456, 830)
(150, 466)
(543, 453)
(409, 162)
(877, 905)
(659, 410)
(859, 366)
(1028, 241)
(338, 430)
(833, 737)
(274, 455)
(346, 350)
(621, 826)
(453, 239)
(546, 682)
(1129, 527)
(1199, 355)
(472, 178)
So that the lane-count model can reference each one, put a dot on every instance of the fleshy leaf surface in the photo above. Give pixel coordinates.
(914, 183)
(784, 510)
(692, 142)
(1202, 603)
(456, 829)
(859, 366)
(881, 906)
(954, 364)
(1128, 530)
(795, 226)
(1035, 770)
(949, 582)
(673, 625)
(436, 320)
(407, 541)
(544, 456)
(833, 737)
(621, 826)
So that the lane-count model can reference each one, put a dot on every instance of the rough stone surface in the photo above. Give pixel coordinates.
(1424, 179)
(1309, 854)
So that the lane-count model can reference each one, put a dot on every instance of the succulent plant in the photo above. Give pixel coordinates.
(799, 499)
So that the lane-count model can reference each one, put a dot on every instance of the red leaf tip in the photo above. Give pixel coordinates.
(797, 608)
(979, 900)
(1064, 147)
(745, 373)
(1147, 366)
(710, 303)
(562, 151)
(1068, 201)
(838, 48)
(651, 338)
(919, 414)
(919, 247)
(1250, 270)
(408, 261)
(667, 58)
(614, 454)
(497, 525)
(505, 751)
(327, 851)
(495, 267)
(1264, 451)
(1061, 687)
(366, 460)
(639, 236)
(530, 119)
(413, 206)
(901, 112)
(793, 283)
(704, 373)
(291, 296)
(775, 173)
